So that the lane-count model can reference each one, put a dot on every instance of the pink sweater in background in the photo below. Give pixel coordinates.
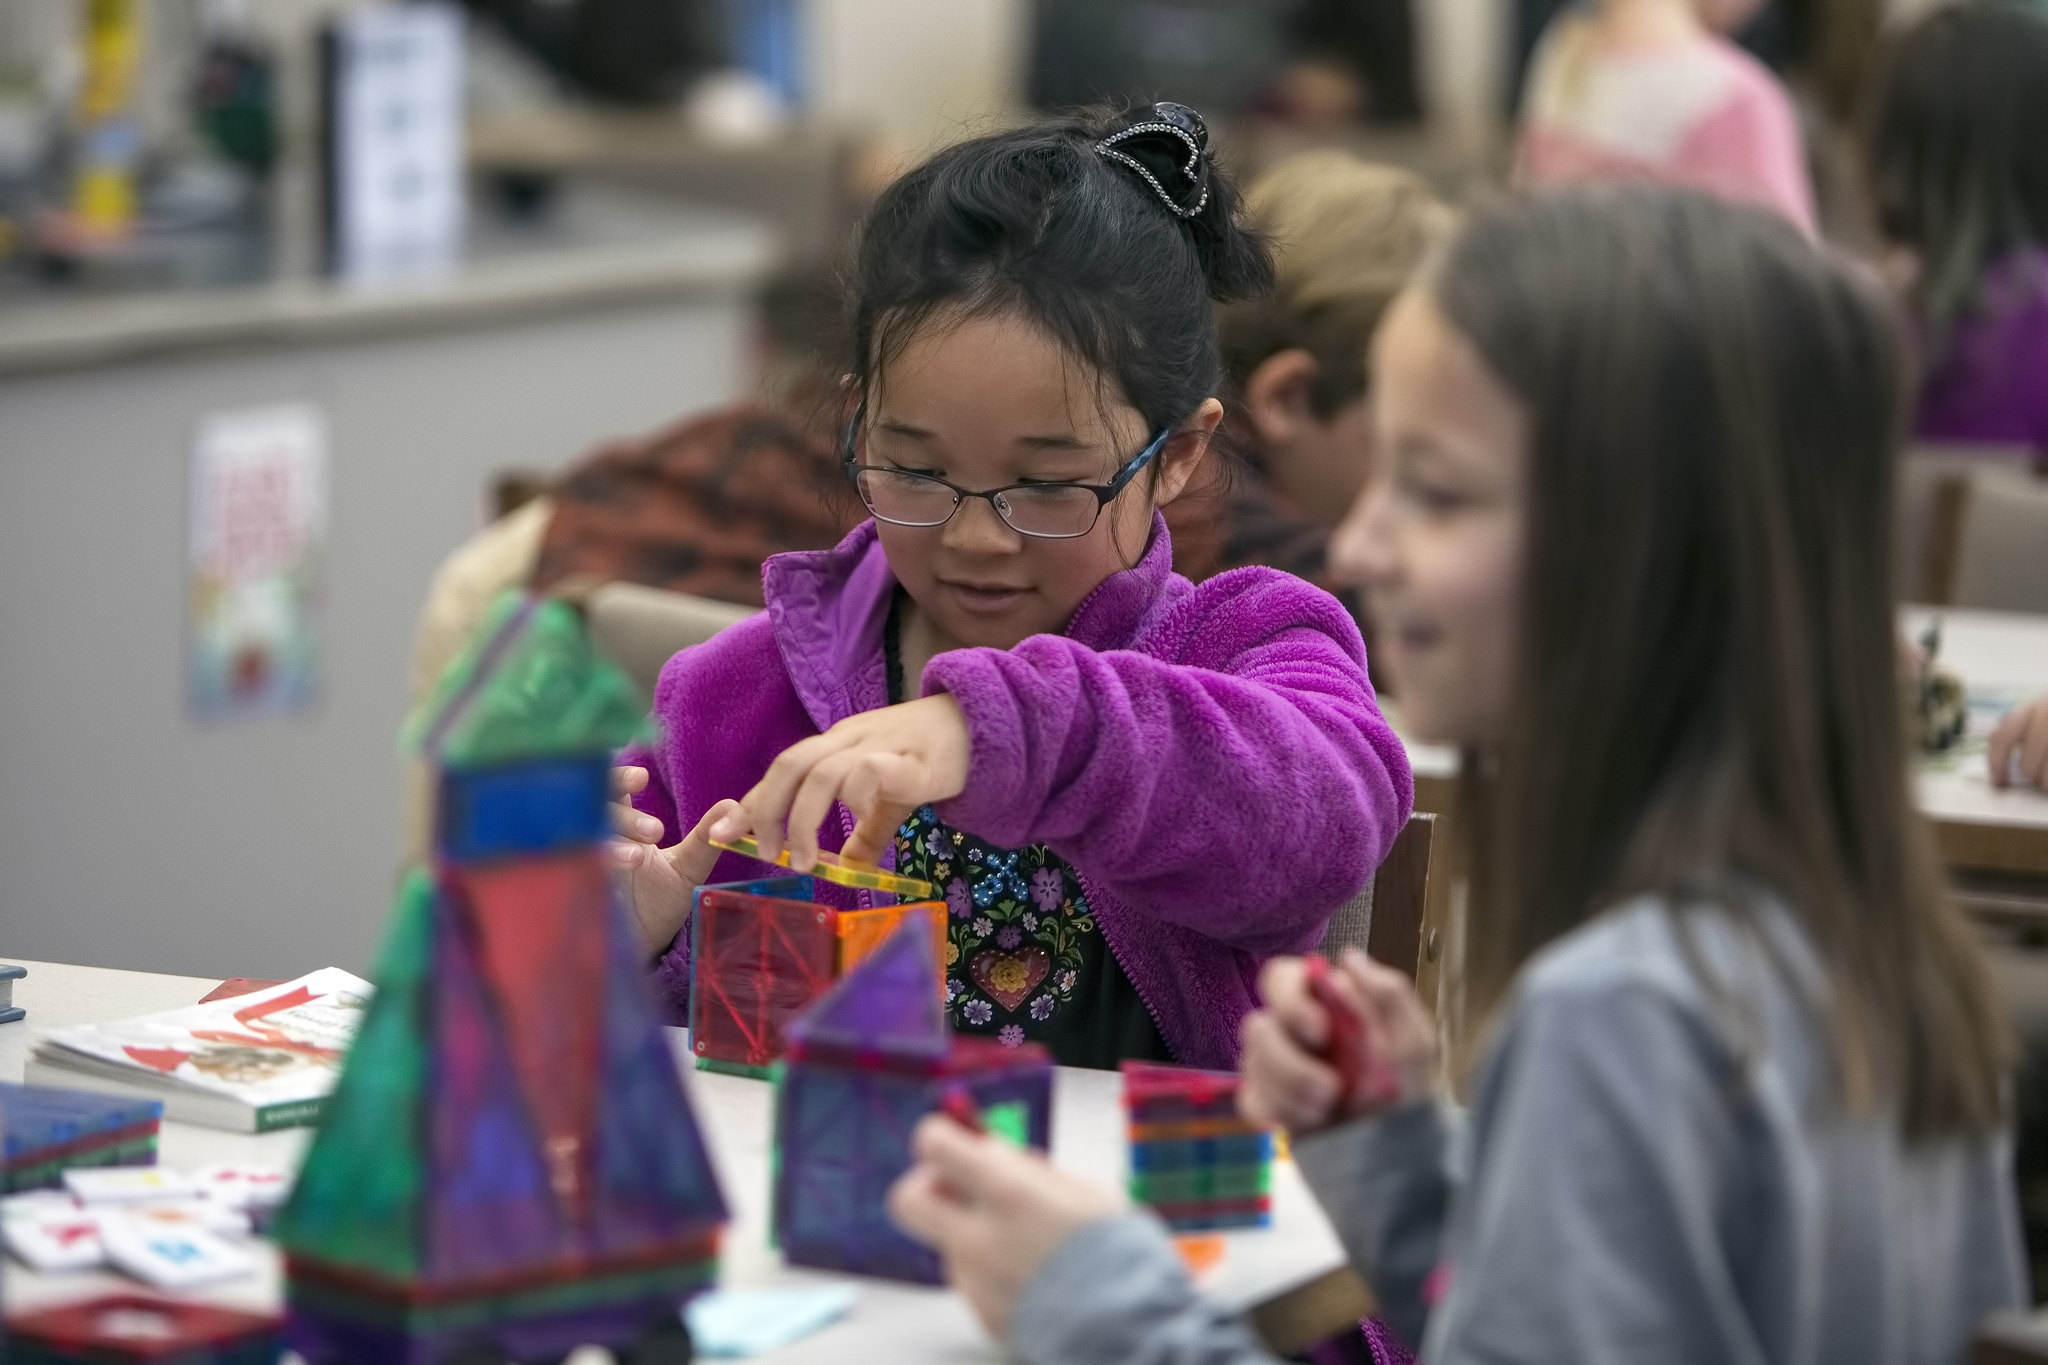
(1701, 113)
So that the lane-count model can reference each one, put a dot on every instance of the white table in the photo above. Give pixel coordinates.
(2002, 658)
(889, 1321)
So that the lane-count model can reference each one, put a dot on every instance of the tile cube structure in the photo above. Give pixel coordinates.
(1197, 1165)
(761, 951)
(45, 1131)
(863, 1065)
(508, 1166)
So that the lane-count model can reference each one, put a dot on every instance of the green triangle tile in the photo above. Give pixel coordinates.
(356, 1202)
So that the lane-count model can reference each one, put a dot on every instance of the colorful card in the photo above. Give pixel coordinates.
(244, 1187)
(206, 1215)
(126, 1184)
(53, 1242)
(38, 1204)
(166, 1257)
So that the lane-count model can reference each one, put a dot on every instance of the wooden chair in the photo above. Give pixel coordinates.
(2001, 552)
(641, 628)
(2012, 1339)
(1392, 918)
(1932, 492)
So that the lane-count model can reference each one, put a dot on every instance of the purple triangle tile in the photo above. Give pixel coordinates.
(886, 1004)
(654, 1180)
(490, 1209)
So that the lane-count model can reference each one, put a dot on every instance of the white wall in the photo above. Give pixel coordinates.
(133, 836)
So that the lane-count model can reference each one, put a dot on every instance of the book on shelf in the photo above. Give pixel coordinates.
(248, 1063)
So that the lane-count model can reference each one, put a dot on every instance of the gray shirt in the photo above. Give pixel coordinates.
(1656, 1167)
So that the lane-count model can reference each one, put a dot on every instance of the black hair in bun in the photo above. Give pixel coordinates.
(1110, 230)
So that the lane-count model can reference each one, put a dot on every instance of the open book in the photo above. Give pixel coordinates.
(249, 1063)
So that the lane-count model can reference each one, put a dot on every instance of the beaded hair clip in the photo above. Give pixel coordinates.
(1152, 148)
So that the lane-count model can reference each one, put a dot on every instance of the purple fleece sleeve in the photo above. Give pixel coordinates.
(1245, 785)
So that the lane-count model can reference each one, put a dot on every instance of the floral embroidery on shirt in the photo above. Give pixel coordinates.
(1018, 927)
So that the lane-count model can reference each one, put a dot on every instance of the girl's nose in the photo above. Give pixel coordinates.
(976, 529)
(1363, 549)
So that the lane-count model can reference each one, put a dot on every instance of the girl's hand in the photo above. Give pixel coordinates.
(2018, 754)
(658, 882)
(881, 764)
(993, 1213)
(1287, 1083)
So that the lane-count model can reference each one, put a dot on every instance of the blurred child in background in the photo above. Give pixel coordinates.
(1654, 90)
(694, 507)
(1739, 1088)
(1346, 236)
(1956, 159)
(998, 683)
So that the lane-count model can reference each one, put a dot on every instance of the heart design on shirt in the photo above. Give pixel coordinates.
(1009, 978)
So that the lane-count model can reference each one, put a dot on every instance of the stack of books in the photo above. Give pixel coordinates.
(1194, 1162)
(249, 1063)
(45, 1132)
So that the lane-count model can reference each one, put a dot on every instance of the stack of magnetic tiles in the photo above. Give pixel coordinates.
(1194, 1162)
(49, 1131)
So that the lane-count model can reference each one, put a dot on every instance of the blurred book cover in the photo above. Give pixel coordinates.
(259, 522)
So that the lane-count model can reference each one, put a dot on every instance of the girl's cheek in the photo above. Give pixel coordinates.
(908, 550)
(1491, 597)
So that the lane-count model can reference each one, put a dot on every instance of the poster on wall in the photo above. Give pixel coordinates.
(259, 521)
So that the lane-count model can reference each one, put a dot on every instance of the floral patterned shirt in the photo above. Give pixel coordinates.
(1025, 958)
(1024, 955)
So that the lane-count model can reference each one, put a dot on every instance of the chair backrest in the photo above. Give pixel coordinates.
(1927, 507)
(1387, 918)
(641, 628)
(2002, 544)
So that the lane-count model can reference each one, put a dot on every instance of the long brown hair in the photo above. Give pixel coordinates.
(1706, 698)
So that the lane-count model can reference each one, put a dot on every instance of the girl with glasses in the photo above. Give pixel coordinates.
(1130, 790)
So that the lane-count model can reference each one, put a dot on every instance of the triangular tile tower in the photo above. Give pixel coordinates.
(864, 1063)
(508, 1167)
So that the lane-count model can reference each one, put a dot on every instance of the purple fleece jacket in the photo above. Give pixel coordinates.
(1209, 759)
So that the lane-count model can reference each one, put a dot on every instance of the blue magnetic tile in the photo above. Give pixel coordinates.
(1179, 1154)
(524, 807)
(36, 1116)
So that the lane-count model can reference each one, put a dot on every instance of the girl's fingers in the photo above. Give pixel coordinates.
(632, 824)
(2003, 745)
(973, 1165)
(1283, 986)
(1379, 991)
(1284, 1086)
(881, 791)
(872, 834)
(767, 805)
(693, 856)
(2034, 746)
(628, 779)
(922, 1205)
(627, 854)
(821, 786)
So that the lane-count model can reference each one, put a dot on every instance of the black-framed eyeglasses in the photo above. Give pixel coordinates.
(1048, 511)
